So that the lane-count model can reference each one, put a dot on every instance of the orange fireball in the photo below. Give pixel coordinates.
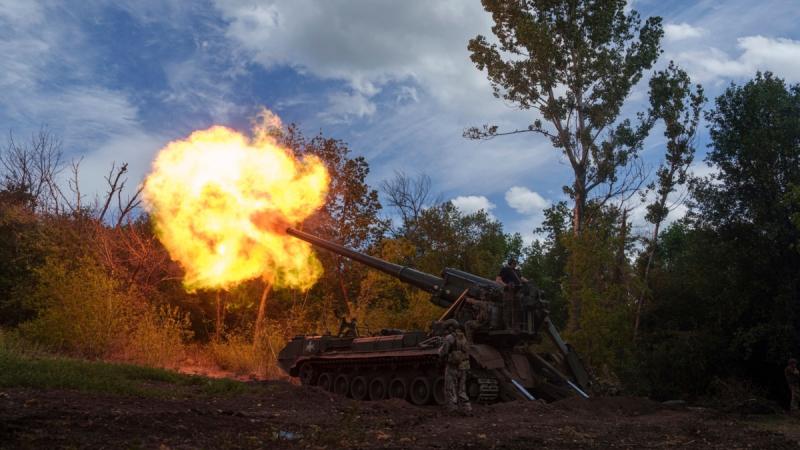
(221, 202)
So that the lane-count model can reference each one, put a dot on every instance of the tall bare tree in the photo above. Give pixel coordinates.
(409, 197)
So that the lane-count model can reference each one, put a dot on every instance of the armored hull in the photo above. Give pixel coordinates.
(406, 365)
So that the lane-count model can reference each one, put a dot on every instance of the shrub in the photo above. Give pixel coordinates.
(240, 354)
(158, 337)
(674, 364)
(79, 309)
(11, 343)
(235, 353)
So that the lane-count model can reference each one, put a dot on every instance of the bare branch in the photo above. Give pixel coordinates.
(115, 186)
(132, 203)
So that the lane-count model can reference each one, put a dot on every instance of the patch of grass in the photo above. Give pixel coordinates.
(47, 372)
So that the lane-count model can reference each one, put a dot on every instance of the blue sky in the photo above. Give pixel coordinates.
(117, 80)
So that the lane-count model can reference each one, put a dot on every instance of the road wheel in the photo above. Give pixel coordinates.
(358, 388)
(398, 388)
(307, 374)
(325, 381)
(420, 391)
(377, 388)
(438, 391)
(341, 385)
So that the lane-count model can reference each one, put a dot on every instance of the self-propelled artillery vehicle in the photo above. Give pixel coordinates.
(505, 326)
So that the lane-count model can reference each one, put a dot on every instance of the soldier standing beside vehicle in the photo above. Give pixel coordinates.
(455, 352)
(793, 380)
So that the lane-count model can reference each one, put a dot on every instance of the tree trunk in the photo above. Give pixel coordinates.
(642, 295)
(578, 212)
(220, 319)
(258, 329)
(618, 272)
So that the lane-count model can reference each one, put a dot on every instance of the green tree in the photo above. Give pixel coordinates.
(672, 101)
(431, 238)
(726, 284)
(574, 62)
(445, 237)
(755, 132)
(600, 281)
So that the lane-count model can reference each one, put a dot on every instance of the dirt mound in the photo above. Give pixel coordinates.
(610, 406)
(522, 407)
(282, 415)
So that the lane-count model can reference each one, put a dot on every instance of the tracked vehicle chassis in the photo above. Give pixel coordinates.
(418, 379)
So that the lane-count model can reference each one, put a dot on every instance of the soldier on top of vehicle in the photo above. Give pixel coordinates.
(511, 278)
(510, 275)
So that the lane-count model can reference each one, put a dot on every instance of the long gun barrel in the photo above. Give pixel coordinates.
(425, 281)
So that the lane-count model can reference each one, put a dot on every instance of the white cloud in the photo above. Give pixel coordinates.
(17, 12)
(525, 227)
(407, 93)
(681, 31)
(344, 106)
(470, 204)
(531, 205)
(525, 201)
(778, 55)
(196, 88)
(369, 44)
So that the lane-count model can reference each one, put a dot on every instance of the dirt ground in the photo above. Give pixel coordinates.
(281, 415)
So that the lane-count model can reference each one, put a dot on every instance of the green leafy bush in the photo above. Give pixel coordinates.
(80, 310)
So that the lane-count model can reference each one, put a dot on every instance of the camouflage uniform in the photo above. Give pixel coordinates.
(455, 373)
(481, 321)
